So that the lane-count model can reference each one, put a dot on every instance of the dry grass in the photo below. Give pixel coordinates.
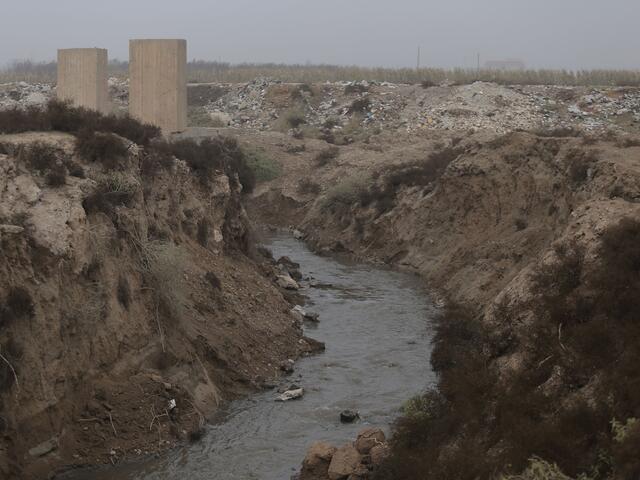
(200, 71)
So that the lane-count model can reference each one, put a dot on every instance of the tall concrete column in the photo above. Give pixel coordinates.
(82, 77)
(158, 83)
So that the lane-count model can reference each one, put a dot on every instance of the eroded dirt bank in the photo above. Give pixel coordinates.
(131, 304)
(517, 233)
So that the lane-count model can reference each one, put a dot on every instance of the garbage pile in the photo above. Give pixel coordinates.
(267, 104)
(24, 95)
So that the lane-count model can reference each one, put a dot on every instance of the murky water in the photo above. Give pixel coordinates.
(375, 324)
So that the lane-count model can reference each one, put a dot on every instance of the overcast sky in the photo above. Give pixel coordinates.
(543, 33)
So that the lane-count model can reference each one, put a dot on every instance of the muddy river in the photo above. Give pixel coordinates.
(375, 323)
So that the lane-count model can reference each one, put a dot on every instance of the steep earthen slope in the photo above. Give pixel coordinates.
(130, 308)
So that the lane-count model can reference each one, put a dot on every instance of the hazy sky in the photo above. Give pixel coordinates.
(543, 33)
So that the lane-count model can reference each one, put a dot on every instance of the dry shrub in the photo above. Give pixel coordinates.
(558, 132)
(213, 280)
(112, 192)
(61, 116)
(360, 105)
(343, 195)
(325, 156)
(203, 232)
(356, 88)
(416, 174)
(17, 305)
(105, 148)
(211, 155)
(123, 292)
(156, 159)
(163, 265)
(582, 332)
(308, 187)
(578, 162)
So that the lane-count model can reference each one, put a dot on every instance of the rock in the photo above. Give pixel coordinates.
(378, 454)
(292, 268)
(301, 313)
(345, 462)
(290, 395)
(315, 465)
(369, 438)
(44, 448)
(11, 229)
(312, 317)
(287, 366)
(297, 313)
(285, 281)
(349, 416)
(297, 234)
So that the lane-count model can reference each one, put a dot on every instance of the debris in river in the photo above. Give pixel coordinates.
(285, 281)
(290, 395)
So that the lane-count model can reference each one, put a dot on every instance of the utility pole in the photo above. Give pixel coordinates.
(478, 62)
(418, 62)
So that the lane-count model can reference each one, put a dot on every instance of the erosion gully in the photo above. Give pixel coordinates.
(375, 323)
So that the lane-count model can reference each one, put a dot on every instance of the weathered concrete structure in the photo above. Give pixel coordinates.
(82, 77)
(158, 83)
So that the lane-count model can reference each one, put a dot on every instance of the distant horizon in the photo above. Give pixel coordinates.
(10, 63)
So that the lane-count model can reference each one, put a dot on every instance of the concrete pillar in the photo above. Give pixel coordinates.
(158, 83)
(82, 77)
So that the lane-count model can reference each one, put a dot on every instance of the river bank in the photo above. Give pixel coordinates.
(375, 325)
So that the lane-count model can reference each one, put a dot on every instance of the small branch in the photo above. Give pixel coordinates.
(156, 417)
(545, 361)
(560, 337)
(112, 425)
(12, 371)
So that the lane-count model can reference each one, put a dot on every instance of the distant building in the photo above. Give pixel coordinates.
(504, 65)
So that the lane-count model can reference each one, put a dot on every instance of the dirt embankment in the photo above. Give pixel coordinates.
(130, 306)
(476, 216)
(468, 225)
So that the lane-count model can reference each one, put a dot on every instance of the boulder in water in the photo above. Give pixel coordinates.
(349, 416)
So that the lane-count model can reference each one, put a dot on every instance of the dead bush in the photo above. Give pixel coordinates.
(293, 118)
(203, 232)
(428, 84)
(211, 155)
(558, 132)
(213, 280)
(308, 187)
(57, 176)
(123, 292)
(578, 162)
(17, 305)
(163, 265)
(325, 156)
(356, 88)
(112, 192)
(582, 331)
(415, 174)
(105, 148)
(360, 105)
(155, 160)
(17, 120)
(40, 156)
(63, 117)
